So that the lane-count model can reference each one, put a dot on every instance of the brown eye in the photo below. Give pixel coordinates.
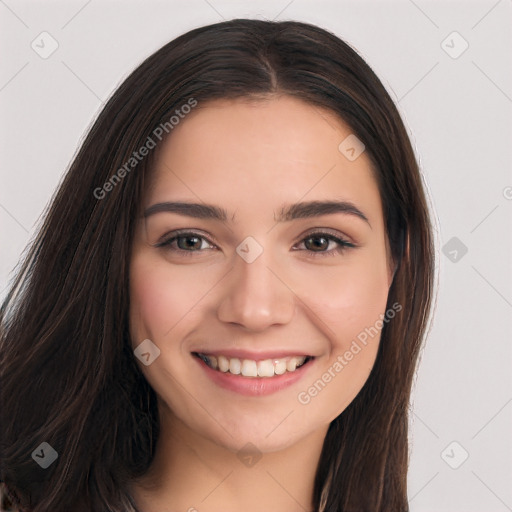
(323, 243)
(316, 243)
(187, 242)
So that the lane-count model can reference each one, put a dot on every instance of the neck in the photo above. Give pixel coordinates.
(194, 474)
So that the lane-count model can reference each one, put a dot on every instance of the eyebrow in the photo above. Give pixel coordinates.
(288, 213)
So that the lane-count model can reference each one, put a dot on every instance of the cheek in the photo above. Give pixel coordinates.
(156, 305)
(355, 303)
(348, 304)
(348, 299)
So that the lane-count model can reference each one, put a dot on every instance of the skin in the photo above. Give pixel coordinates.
(251, 158)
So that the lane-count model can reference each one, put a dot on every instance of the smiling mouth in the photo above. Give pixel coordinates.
(252, 368)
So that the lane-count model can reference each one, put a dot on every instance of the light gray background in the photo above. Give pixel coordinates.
(459, 112)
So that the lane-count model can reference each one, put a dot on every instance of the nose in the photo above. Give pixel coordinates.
(256, 296)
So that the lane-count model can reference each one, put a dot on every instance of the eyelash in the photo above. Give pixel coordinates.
(343, 244)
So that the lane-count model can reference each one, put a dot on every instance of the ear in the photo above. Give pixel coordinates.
(393, 265)
(391, 271)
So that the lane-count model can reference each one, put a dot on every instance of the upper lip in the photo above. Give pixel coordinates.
(253, 355)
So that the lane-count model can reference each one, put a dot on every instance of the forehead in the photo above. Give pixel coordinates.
(274, 150)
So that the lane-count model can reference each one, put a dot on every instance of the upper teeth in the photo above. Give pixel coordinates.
(251, 368)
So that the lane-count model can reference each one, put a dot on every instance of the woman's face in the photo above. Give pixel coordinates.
(262, 249)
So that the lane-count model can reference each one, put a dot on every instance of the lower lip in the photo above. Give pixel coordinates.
(254, 386)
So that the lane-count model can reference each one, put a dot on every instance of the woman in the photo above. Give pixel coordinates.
(224, 307)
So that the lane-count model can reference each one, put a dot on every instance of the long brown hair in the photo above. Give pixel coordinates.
(68, 375)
